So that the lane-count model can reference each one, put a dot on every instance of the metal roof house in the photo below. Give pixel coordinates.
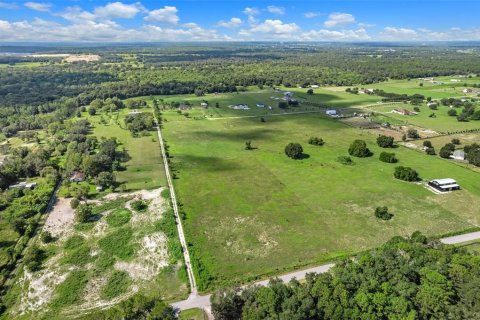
(444, 185)
(458, 155)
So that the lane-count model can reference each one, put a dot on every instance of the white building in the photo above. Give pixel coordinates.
(458, 155)
(444, 185)
(331, 112)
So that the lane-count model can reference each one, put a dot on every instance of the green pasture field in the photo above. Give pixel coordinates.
(436, 91)
(144, 169)
(321, 96)
(254, 213)
(442, 122)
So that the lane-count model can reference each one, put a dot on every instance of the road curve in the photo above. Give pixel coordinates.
(203, 302)
(461, 238)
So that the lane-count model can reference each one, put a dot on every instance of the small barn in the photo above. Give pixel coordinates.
(444, 185)
(458, 155)
(331, 112)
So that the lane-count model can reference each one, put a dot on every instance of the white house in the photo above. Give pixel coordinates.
(331, 112)
(458, 155)
(288, 94)
(314, 86)
(241, 107)
(260, 105)
(204, 104)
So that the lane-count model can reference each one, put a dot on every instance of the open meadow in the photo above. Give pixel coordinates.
(143, 168)
(251, 213)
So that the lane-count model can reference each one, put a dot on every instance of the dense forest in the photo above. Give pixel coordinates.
(404, 279)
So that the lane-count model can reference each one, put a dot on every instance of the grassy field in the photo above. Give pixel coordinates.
(251, 213)
(442, 122)
(144, 169)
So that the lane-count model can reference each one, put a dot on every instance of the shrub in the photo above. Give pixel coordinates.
(119, 217)
(406, 174)
(46, 237)
(382, 213)
(74, 203)
(33, 258)
(430, 151)
(385, 141)
(427, 143)
(139, 205)
(412, 134)
(294, 150)
(346, 160)
(359, 149)
(452, 113)
(83, 213)
(388, 157)
(316, 141)
(447, 150)
(456, 141)
(473, 157)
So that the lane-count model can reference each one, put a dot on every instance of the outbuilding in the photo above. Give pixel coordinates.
(458, 155)
(444, 185)
(331, 112)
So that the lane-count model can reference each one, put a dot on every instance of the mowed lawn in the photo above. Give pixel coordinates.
(252, 213)
(144, 168)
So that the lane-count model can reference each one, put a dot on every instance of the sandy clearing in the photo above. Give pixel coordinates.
(60, 220)
(151, 258)
(39, 287)
(82, 57)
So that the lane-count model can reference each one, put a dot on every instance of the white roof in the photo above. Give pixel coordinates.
(458, 152)
(446, 181)
(447, 186)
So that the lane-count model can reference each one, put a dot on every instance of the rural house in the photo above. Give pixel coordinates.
(444, 185)
(458, 155)
(77, 176)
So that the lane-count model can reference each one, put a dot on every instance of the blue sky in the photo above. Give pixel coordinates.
(231, 20)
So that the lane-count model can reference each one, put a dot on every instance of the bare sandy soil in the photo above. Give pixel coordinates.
(60, 221)
(38, 288)
(68, 57)
(82, 57)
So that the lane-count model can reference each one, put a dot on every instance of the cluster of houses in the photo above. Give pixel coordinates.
(470, 90)
(405, 112)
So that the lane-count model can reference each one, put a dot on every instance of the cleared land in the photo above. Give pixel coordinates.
(251, 213)
(95, 265)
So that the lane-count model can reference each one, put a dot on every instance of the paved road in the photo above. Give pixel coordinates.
(461, 238)
(178, 220)
(203, 302)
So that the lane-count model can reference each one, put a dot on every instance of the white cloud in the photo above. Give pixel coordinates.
(7, 5)
(76, 14)
(331, 35)
(339, 18)
(276, 10)
(310, 15)
(269, 30)
(251, 11)
(232, 23)
(393, 33)
(118, 10)
(167, 14)
(366, 25)
(38, 6)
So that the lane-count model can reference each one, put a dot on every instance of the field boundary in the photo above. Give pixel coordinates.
(178, 221)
